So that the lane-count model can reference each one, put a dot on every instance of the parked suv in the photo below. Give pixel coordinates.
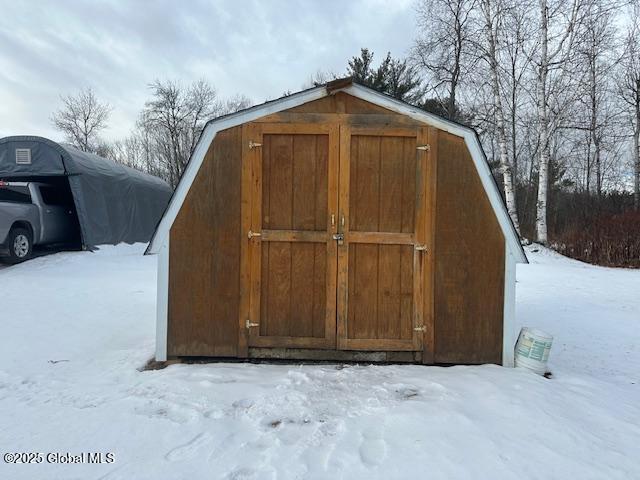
(33, 213)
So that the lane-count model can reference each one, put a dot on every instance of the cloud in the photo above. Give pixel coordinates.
(257, 48)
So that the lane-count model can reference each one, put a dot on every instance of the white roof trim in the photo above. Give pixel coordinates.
(364, 93)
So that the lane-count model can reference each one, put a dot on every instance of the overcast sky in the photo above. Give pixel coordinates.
(256, 48)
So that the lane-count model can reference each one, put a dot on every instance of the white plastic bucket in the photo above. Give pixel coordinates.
(532, 350)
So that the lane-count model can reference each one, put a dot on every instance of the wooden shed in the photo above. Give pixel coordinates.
(337, 223)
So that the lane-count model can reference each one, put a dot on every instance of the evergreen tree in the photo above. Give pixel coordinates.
(394, 77)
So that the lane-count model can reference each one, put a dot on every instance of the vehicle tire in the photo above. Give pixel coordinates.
(20, 244)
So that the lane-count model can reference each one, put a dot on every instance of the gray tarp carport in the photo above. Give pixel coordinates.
(114, 203)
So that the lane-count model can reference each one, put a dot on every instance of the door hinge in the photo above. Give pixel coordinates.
(253, 234)
(420, 248)
(250, 325)
(426, 147)
(253, 144)
(420, 329)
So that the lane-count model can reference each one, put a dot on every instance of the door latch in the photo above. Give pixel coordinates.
(250, 325)
(339, 237)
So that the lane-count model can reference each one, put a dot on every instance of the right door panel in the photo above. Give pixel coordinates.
(381, 262)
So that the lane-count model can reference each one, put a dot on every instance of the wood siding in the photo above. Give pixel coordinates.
(204, 257)
(459, 289)
(469, 264)
(340, 103)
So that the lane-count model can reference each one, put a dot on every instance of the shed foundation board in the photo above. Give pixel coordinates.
(333, 355)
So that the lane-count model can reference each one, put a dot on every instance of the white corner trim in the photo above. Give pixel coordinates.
(162, 302)
(204, 142)
(509, 314)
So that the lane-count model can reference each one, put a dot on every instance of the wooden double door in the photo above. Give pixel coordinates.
(337, 253)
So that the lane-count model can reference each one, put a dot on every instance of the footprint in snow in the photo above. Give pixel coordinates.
(246, 473)
(189, 449)
(406, 392)
(373, 448)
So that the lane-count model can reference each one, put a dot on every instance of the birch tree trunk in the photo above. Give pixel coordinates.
(491, 31)
(557, 58)
(543, 127)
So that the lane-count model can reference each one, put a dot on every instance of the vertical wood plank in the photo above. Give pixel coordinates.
(420, 257)
(279, 293)
(409, 183)
(363, 290)
(365, 186)
(245, 261)
(265, 250)
(280, 181)
(322, 183)
(391, 198)
(332, 254)
(303, 213)
(321, 289)
(255, 245)
(406, 288)
(301, 290)
(343, 250)
(303, 176)
(389, 292)
(431, 184)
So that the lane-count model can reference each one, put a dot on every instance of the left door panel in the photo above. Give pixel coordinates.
(292, 255)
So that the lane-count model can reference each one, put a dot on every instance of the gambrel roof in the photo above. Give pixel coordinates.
(351, 88)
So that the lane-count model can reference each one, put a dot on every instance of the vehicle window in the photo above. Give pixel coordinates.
(55, 196)
(14, 194)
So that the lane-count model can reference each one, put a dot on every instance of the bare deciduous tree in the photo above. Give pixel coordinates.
(444, 47)
(517, 39)
(175, 118)
(81, 119)
(170, 126)
(597, 110)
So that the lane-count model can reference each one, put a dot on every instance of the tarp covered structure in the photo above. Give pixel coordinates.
(114, 203)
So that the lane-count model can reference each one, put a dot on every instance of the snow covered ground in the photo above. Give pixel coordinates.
(75, 328)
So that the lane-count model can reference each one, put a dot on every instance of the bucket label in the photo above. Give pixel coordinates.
(529, 347)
